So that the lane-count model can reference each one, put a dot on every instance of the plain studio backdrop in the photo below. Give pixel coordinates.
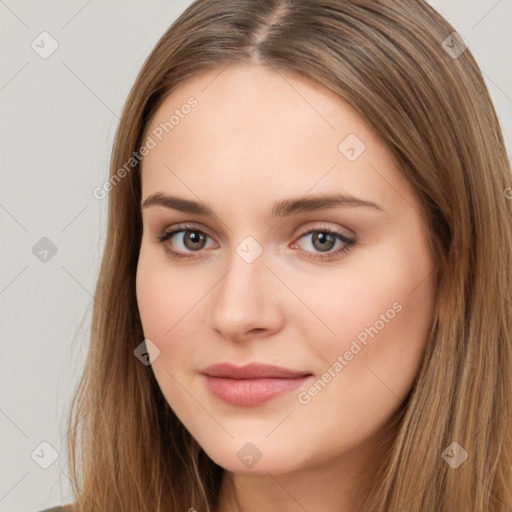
(66, 70)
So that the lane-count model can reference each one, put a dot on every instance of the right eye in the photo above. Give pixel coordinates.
(191, 239)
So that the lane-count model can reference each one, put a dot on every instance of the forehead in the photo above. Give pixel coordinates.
(255, 132)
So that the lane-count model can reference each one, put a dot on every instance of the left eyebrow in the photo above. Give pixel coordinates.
(283, 208)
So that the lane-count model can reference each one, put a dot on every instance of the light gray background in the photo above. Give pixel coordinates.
(58, 119)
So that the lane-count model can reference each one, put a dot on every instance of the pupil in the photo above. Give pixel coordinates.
(195, 238)
(323, 237)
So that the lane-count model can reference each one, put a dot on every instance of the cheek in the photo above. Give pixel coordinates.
(155, 305)
(381, 318)
(165, 304)
(163, 296)
(171, 302)
(376, 312)
(355, 296)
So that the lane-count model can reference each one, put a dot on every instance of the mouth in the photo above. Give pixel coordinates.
(253, 384)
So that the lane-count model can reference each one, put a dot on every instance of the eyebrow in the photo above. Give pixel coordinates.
(283, 208)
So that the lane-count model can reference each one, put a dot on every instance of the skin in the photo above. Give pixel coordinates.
(256, 137)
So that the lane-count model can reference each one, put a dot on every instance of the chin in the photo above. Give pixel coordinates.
(257, 457)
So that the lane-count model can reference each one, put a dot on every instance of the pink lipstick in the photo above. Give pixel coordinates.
(252, 384)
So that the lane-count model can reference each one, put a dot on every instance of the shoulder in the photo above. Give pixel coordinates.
(63, 508)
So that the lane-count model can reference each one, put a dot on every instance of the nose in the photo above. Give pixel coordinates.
(247, 302)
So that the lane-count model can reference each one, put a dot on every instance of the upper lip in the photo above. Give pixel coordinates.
(251, 371)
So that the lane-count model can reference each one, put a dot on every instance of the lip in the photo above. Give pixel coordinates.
(252, 371)
(252, 384)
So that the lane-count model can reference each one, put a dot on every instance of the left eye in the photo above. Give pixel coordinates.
(325, 240)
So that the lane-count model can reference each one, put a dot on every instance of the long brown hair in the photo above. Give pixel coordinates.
(395, 62)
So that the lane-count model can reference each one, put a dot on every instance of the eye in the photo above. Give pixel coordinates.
(190, 239)
(324, 240)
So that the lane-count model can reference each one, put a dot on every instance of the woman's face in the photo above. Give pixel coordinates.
(271, 268)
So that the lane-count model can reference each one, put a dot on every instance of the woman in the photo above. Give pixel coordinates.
(305, 297)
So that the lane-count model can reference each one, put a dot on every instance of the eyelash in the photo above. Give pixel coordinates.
(166, 235)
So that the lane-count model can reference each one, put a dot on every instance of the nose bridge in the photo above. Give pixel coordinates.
(244, 300)
(247, 275)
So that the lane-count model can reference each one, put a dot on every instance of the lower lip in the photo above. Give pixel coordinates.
(251, 392)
